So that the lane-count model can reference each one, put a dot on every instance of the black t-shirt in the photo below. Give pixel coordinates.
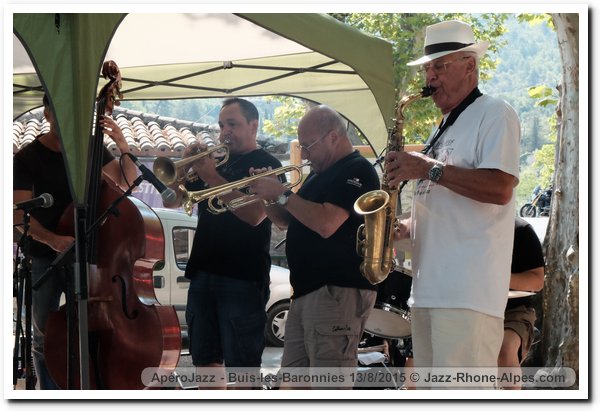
(41, 170)
(223, 243)
(527, 254)
(315, 261)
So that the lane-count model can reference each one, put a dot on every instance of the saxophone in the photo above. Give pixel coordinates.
(375, 238)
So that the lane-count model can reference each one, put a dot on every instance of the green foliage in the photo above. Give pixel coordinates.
(284, 124)
(528, 73)
(406, 32)
(544, 164)
(539, 172)
(525, 74)
(522, 66)
(545, 96)
(535, 19)
(528, 179)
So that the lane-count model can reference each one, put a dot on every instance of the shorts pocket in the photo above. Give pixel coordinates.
(248, 334)
(336, 343)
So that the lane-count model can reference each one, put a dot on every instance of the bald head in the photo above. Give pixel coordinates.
(322, 118)
(322, 134)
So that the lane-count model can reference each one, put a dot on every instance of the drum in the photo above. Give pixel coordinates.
(390, 317)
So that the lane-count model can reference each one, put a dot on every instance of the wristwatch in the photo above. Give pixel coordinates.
(435, 172)
(283, 198)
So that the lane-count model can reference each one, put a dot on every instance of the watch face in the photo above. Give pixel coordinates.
(435, 173)
(283, 198)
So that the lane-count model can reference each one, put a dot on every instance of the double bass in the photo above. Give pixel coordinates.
(127, 329)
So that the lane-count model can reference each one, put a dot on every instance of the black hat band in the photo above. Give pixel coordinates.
(439, 47)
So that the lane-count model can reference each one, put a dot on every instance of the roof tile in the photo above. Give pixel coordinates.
(148, 135)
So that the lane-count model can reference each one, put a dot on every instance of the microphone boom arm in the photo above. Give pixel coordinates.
(67, 256)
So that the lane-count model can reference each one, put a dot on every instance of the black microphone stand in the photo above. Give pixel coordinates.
(81, 292)
(23, 291)
(66, 257)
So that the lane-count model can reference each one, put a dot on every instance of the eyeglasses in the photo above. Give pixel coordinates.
(439, 67)
(306, 149)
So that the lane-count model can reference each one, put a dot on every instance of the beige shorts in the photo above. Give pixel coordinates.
(324, 327)
(521, 320)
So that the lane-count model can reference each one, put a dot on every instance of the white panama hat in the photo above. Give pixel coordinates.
(449, 37)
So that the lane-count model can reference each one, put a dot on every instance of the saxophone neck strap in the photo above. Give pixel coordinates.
(473, 95)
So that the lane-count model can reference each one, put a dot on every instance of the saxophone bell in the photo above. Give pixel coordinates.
(373, 243)
(375, 238)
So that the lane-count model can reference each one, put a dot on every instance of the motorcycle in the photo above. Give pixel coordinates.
(539, 205)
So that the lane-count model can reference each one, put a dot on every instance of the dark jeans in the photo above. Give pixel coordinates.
(44, 300)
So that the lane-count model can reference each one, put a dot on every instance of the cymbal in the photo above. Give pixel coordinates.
(519, 294)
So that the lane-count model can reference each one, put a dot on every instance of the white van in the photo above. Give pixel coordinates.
(171, 286)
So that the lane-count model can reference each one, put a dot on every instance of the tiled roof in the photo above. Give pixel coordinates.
(25, 132)
(148, 135)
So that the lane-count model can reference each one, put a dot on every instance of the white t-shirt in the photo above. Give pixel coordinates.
(462, 248)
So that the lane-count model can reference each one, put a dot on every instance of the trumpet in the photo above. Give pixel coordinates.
(166, 169)
(216, 205)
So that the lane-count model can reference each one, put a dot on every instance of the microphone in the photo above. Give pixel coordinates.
(167, 194)
(45, 200)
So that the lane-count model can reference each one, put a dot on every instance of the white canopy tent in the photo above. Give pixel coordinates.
(184, 56)
(172, 56)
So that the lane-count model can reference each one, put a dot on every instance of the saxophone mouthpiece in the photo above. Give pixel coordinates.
(427, 91)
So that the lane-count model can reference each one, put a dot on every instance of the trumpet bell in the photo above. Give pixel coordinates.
(164, 169)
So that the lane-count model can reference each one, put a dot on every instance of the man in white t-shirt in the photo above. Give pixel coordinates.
(462, 221)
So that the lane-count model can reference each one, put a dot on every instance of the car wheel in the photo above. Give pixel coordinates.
(276, 319)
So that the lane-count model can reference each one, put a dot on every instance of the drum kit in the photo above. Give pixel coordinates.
(387, 337)
(388, 329)
(390, 318)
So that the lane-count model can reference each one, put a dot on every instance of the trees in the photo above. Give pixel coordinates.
(540, 171)
(286, 117)
(406, 32)
(560, 342)
(559, 163)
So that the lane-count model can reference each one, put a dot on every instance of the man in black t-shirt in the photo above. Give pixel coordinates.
(39, 168)
(331, 299)
(229, 264)
(527, 274)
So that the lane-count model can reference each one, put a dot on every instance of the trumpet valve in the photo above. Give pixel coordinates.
(187, 203)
